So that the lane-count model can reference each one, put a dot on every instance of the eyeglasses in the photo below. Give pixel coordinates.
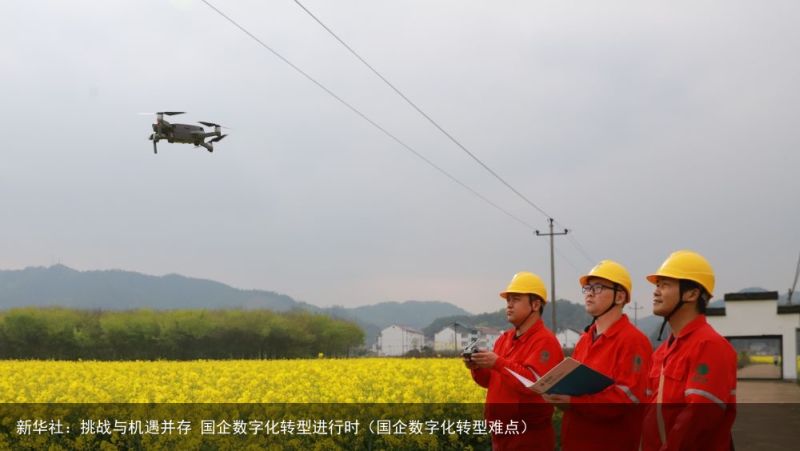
(595, 289)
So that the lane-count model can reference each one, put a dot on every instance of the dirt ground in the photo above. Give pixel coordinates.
(760, 370)
(767, 392)
(767, 416)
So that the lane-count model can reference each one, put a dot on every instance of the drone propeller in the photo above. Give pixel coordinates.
(217, 139)
(211, 124)
(168, 113)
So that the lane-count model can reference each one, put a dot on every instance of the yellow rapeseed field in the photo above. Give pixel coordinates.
(771, 359)
(370, 380)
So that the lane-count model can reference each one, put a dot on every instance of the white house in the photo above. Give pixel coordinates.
(452, 338)
(397, 340)
(764, 333)
(449, 340)
(568, 338)
(488, 335)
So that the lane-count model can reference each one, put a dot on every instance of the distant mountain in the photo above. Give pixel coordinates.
(569, 315)
(496, 319)
(752, 290)
(649, 326)
(122, 290)
(60, 285)
(416, 314)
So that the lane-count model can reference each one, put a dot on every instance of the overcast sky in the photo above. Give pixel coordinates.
(644, 128)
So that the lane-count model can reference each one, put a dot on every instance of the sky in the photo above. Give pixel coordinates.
(643, 128)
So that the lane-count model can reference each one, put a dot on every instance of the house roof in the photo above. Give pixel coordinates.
(489, 330)
(406, 328)
(752, 296)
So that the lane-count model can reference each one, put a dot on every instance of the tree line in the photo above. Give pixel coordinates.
(72, 334)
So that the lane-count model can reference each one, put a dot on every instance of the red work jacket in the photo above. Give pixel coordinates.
(532, 354)
(612, 418)
(692, 385)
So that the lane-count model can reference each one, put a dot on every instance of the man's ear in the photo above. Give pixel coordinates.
(692, 295)
(621, 297)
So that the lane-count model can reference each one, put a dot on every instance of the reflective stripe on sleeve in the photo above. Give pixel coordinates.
(705, 394)
(628, 392)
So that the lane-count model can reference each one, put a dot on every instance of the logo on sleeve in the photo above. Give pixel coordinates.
(544, 356)
(701, 373)
(637, 363)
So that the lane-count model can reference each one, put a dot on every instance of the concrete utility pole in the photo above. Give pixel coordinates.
(794, 285)
(455, 338)
(635, 307)
(552, 268)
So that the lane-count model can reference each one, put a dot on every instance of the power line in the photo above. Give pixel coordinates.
(419, 110)
(392, 136)
(580, 248)
(569, 262)
(365, 117)
(439, 127)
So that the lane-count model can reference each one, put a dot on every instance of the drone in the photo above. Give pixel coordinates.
(184, 133)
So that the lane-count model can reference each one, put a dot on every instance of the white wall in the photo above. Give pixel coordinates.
(443, 340)
(760, 317)
(489, 339)
(396, 341)
(568, 338)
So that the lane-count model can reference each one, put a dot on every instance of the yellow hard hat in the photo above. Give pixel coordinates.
(686, 265)
(526, 282)
(611, 271)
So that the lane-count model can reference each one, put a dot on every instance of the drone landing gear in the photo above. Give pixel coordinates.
(153, 138)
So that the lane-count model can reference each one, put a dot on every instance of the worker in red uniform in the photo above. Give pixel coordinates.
(692, 379)
(529, 349)
(610, 419)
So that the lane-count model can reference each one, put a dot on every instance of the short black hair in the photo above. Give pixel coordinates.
(702, 300)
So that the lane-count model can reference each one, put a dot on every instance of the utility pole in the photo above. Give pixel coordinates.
(552, 268)
(455, 338)
(635, 307)
(794, 284)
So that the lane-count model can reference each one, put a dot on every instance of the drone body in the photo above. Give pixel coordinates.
(184, 133)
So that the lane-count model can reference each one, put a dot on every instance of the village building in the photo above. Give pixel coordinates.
(456, 336)
(397, 340)
(764, 333)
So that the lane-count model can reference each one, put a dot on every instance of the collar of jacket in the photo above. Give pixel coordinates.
(618, 325)
(693, 325)
(537, 326)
